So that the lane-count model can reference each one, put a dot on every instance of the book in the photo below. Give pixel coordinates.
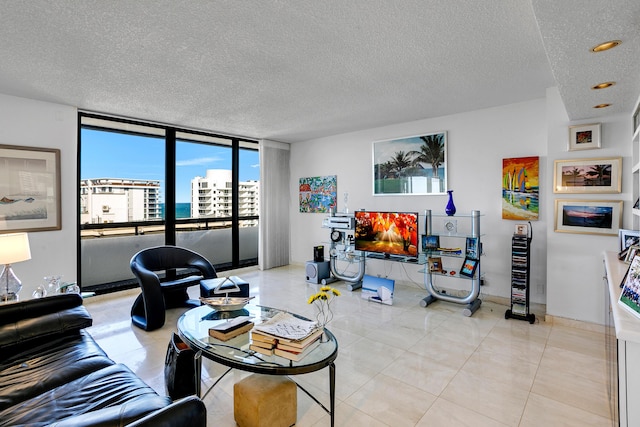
(225, 336)
(262, 337)
(261, 350)
(297, 355)
(231, 324)
(262, 344)
(297, 345)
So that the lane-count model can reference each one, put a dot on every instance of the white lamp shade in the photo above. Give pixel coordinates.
(14, 247)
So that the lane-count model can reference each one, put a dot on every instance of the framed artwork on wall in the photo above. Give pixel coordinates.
(520, 188)
(582, 176)
(588, 216)
(318, 193)
(415, 165)
(584, 137)
(29, 189)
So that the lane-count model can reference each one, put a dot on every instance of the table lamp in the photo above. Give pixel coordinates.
(14, 247)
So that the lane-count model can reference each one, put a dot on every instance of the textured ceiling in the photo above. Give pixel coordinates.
(296, 70)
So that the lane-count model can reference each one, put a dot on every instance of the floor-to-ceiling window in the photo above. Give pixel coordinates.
(144, 185)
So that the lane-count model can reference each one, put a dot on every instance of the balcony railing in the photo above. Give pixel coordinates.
(106, 249)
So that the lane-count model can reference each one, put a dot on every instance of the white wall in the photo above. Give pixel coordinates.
(39, 124)
(575, 262)
(566, 268)
(477, 143)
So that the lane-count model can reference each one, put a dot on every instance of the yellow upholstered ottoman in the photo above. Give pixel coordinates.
(265, 401)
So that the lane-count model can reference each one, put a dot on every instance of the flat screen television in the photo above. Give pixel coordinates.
(387, 233)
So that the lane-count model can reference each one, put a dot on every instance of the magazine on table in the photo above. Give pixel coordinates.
(286, 325)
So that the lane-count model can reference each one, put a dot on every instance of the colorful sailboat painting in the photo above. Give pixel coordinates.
(520, 188)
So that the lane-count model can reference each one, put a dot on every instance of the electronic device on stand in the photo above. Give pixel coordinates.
(342, 249)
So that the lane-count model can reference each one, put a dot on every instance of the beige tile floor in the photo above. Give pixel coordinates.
(400, 365)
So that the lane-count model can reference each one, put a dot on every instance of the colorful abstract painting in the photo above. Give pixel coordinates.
(318, 193)
(520, 188)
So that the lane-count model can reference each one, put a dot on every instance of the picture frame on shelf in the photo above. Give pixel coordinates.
(584, 137)
(472, 249)
(469, 267)
(522, 229)
(630, 295)
(30, 198)
(435, 265)
(632, 251)
(627, 238)
(430, 242)
(588, 176)
(588, 216)
(636, 205)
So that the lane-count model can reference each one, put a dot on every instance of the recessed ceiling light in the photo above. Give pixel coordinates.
(606, 46)
(602, 106)
(603, 85)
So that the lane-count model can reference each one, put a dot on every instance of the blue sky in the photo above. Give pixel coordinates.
(115, 155)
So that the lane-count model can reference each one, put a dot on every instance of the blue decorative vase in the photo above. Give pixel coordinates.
(451, 208)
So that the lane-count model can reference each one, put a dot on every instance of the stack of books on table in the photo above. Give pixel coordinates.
(289, 349)
(231, 328)
(263, 344)
(286, 336)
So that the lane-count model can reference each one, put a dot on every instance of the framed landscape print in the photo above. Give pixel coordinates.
(582, 176)
(584, 137)
(415, 165)
(588, 216)
(29, 189)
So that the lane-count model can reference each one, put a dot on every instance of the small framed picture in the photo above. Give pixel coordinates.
(468, 268)
(472, 250)
(522, 229)
(632, 251)
(435, 265)
(584, 137)
(627, 238)
(430, 243)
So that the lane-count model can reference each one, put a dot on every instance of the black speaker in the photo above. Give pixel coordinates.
(318, 253)
(316, 271)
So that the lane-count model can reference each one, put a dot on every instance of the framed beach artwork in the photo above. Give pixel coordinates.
(29, 189)
(588, 216)
(520, 188)
(415, 165)
(582, 176)
(318, 193)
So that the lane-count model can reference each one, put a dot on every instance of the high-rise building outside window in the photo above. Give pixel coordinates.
(144, 185)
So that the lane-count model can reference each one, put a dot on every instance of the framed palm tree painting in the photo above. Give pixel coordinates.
(414, 165)
(581, 176)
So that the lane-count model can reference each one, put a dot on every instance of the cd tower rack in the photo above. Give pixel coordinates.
(520, 272)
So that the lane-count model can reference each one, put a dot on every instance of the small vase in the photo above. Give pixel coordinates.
(451, 208)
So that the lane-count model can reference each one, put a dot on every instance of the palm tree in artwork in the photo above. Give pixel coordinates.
(432, 152)
(399, 163)
(601, 172)
(575, 173)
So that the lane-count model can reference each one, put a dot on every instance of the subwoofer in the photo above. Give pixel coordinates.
(316, 271)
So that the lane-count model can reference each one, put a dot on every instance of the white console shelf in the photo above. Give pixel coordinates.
(623, 349)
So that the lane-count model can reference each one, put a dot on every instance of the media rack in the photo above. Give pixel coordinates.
(520, 278)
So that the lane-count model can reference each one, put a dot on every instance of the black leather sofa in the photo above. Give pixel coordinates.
(52, 372)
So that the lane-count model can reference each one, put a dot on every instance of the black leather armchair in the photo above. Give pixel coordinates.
(148, 311)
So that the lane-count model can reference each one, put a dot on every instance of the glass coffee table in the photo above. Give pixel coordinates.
(193, 327)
